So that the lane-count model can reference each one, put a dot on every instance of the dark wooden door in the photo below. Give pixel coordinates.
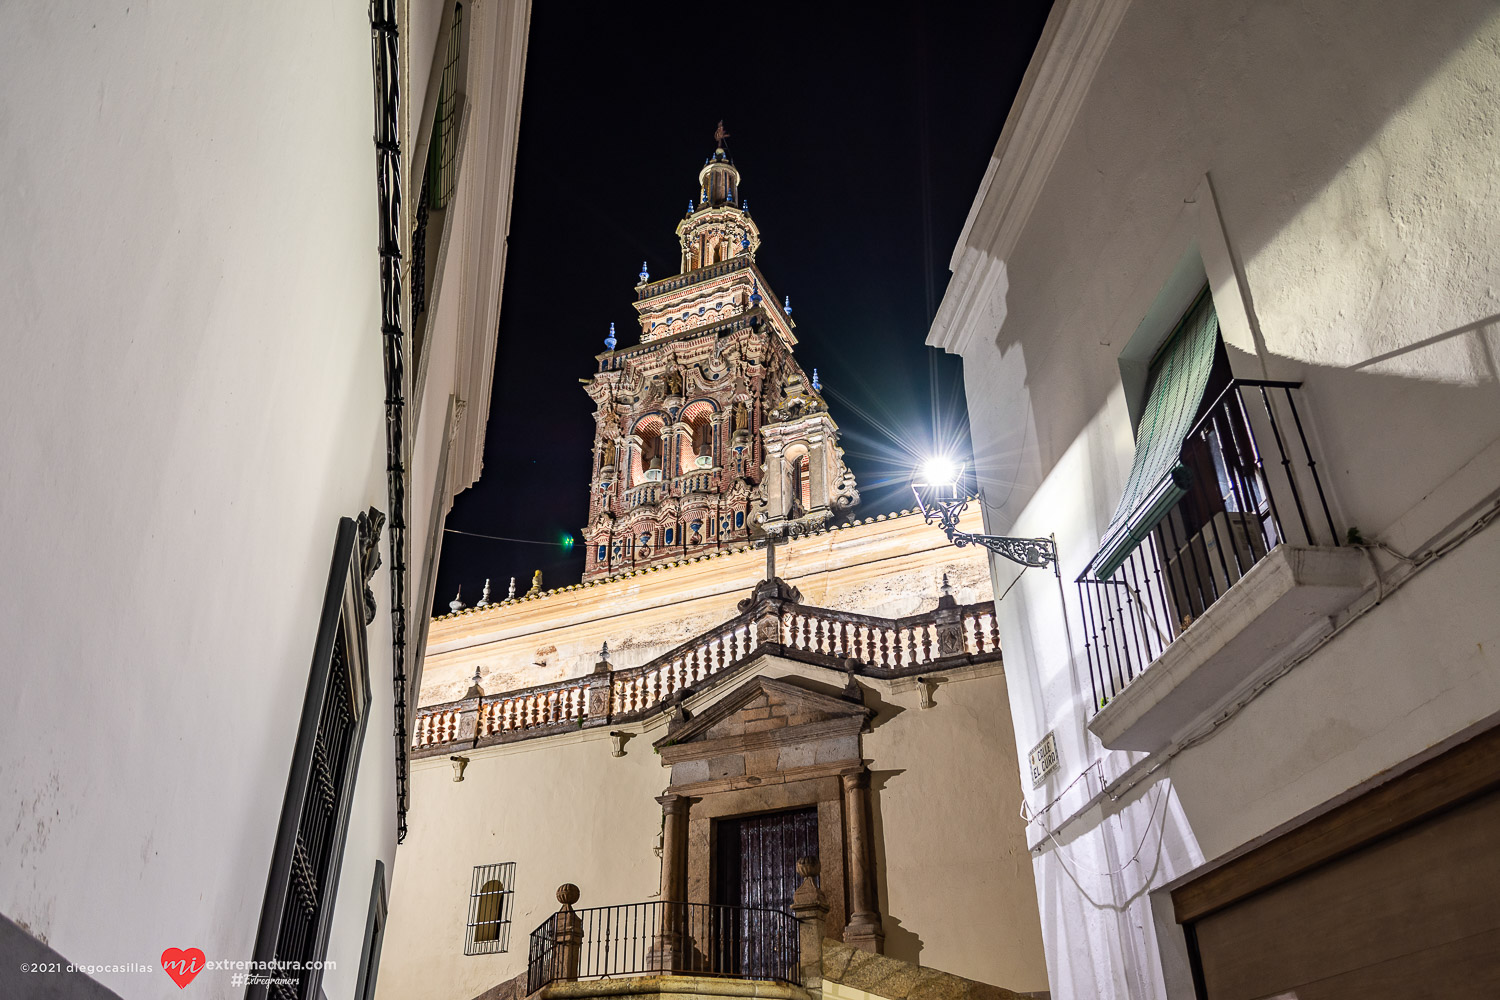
(755, 870)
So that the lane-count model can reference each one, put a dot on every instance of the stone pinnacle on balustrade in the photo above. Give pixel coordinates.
(567, 937)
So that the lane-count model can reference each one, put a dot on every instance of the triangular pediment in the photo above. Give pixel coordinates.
(764, 704)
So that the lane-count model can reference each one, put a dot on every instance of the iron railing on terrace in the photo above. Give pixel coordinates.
(670, 284)
(665, 938)
(950, 635)
(1251, 484)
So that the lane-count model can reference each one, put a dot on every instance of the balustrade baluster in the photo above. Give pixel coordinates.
(911, 645)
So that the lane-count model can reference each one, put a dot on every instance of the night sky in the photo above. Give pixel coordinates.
(861, 133)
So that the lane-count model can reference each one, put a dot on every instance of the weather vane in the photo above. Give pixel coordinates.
(719, 134)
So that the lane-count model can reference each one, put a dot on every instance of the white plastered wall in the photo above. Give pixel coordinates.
(194, 396)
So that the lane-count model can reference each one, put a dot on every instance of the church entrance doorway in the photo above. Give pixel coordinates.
(755, 871)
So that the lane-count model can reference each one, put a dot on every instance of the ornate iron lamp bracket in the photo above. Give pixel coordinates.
(945, 512)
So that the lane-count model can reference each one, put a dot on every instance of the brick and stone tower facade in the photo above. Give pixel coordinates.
(708, 432)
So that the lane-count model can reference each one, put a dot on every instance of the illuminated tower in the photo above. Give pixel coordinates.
(708, 432)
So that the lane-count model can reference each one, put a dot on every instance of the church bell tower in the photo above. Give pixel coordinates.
(708, 432)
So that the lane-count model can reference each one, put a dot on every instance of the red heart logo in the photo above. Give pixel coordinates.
(183, 966)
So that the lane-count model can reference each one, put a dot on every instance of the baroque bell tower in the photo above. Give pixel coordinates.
(708, 432)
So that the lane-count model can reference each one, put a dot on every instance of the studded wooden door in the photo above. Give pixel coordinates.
(756, 870)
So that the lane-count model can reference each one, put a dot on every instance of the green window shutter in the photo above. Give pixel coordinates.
(1158, 479)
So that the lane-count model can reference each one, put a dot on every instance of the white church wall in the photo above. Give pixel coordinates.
(1328, 174)
(954, 883)
(887, 565)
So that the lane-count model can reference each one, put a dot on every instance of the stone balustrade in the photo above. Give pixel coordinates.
(949, 636)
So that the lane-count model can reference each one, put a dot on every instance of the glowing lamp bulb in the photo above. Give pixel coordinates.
(940, 471)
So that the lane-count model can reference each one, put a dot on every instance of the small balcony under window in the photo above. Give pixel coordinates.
(1222, 556)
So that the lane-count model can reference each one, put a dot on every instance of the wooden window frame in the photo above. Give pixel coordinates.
(343, 616)
(375, 921)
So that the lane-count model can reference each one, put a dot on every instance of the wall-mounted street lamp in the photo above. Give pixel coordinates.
(942, 502)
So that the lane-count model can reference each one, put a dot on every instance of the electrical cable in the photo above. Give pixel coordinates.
(1418, 563)
(499, 538)
(1161, 796)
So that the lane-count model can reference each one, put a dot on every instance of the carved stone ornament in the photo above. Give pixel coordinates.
(369, 525)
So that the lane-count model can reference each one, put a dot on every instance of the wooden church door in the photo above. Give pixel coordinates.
(755, 869)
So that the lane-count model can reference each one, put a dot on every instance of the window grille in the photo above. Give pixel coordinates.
(490, 899)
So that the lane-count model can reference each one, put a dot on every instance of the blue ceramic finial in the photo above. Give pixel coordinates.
(609, 342)
(645, 274)
(745, 206)
(786, 306)
(690, 206)
(817, 386)
(755, 293)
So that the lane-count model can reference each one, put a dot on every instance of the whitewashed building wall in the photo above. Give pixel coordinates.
(192, 397)
(1329, 173)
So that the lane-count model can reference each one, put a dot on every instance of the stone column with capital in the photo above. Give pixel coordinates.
(669, 950)
(810, 908)
(863, 929)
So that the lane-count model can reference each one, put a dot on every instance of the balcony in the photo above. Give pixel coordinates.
(663, 938)
(1235, 563)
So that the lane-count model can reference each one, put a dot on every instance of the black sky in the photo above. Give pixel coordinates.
(861, 133)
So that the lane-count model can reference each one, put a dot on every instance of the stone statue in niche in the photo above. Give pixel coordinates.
(607, 459)
(674, 383)
(741, 417)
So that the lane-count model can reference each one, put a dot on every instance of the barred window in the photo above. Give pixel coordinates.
(490, 899)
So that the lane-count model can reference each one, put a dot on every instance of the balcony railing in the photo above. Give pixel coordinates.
(665, 938)
(1251, 484)
(950, 635)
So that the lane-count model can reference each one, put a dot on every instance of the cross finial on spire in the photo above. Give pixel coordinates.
(719, 134)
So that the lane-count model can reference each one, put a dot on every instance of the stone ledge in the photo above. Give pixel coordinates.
(1281, 604)
(849, 971)
(675, 986)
